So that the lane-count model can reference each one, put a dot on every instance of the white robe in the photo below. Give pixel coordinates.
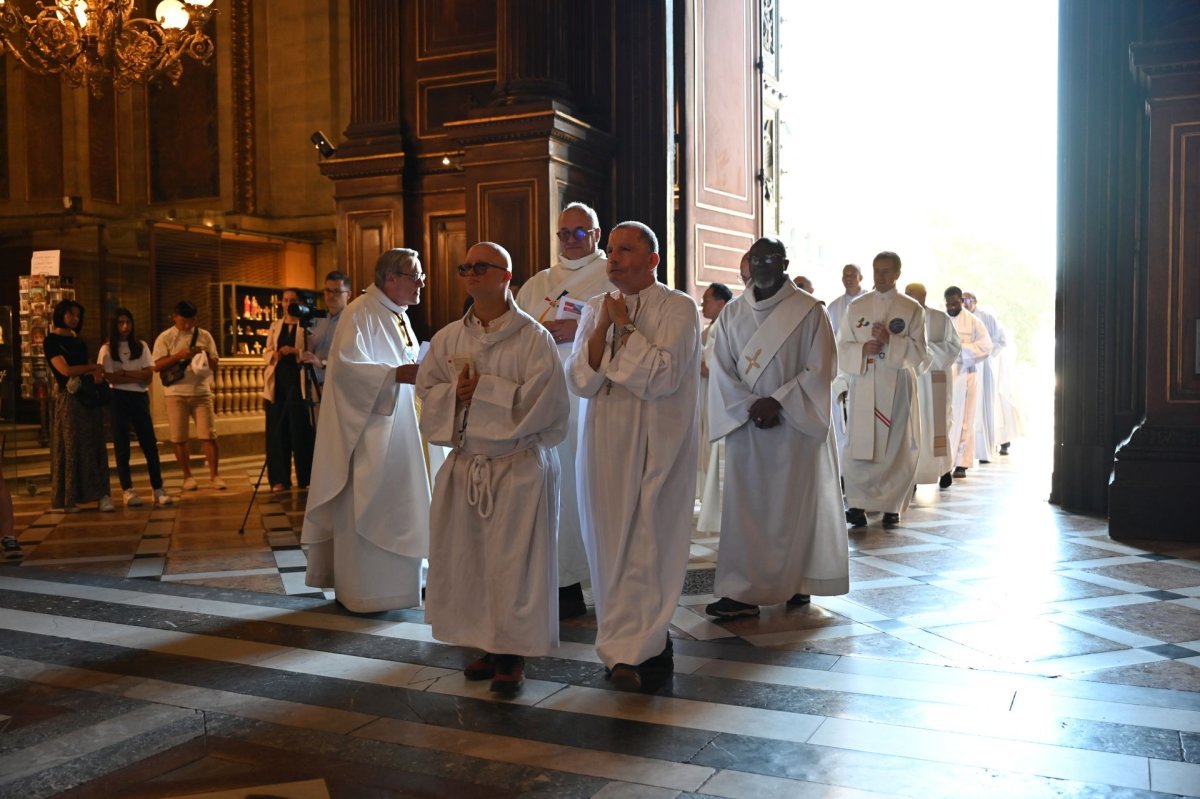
(784, 529)
(943, 343)
(1010, 420)
(841, 384)
(975, 344)
(637, 469)
(884, 429)
(582, 279)
(367, 520)
(493, 568)
(987, 409)
(712, 453)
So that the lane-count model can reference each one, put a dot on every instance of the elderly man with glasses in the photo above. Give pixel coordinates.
(367, 521)
(492, 389)
(555, 298)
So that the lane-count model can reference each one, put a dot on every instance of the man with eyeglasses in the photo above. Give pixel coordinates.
(320, 338)
(637, 363)
(881, 346)
(770, 379)
(367, 521)
(492, 390)
(555, 297)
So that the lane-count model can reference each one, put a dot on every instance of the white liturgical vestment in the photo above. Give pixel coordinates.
(493, 571)
(837, 311)
(975, 346)
(573, 281)
(935, 393)
(988, 419)
(637, 468)
(783, 526)
(367, 520)
(883, 433)
(712, 453)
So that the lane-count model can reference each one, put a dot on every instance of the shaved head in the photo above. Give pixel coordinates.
(916, 291)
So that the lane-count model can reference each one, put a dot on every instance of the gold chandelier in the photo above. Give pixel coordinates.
(92, 41)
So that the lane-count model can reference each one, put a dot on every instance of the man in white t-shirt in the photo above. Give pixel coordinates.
(191, 397)
(129, 370)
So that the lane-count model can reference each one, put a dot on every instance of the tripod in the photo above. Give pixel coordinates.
(310, 397)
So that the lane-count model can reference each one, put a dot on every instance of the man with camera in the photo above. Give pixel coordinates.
(187, 388)
(320, 334)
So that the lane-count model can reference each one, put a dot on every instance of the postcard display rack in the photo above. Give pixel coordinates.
(39, 294)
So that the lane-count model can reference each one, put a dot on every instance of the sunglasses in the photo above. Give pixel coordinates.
(579, 233)
(479, 268)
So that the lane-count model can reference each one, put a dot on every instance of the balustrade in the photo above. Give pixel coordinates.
(238, 387)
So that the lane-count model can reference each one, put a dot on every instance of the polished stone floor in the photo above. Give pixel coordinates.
(992, 646)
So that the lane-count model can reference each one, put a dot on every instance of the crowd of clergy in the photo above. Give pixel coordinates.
(562, 435)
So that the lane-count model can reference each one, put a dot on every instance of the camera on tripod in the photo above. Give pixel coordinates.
(306, 313)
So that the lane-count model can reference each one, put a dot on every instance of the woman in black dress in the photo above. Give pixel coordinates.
(79, 458)
(290, 432)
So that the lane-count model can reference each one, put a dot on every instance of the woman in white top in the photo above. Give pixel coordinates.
(128, 367)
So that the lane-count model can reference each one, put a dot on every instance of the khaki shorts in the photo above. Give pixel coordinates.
(200, 408)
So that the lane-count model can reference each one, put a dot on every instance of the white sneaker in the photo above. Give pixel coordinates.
(190, 484)
(161, 497)
(132, 500)
(105, 505)
(218, 484)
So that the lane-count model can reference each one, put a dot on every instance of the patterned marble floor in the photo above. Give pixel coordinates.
(991, 646)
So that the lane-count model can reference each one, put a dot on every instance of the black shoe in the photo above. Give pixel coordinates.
(626, 677)
(946, 481)
(799, 600)
(959, 472)
(1004, 448)
(726, 608)
(570, 601)
(891, 519)
(483, 668)
(662, 663)
(981, 460)
(856, 517)
(12, 548)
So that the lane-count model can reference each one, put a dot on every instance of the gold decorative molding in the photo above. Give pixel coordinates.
(241, 17)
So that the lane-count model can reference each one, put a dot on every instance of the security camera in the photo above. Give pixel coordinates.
(322, 144)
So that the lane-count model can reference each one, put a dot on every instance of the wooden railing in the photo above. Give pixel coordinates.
(238, 386)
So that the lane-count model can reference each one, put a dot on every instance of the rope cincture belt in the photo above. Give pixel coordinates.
(479, 485)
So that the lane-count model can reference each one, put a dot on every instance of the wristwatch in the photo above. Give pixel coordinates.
(627, 328)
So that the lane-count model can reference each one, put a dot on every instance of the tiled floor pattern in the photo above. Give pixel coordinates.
(991, 646)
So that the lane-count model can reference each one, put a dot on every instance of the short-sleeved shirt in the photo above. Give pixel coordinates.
(70, 347)
(320, 340)
(126, 361)
(173, 340)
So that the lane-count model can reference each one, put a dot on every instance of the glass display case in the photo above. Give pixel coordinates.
(246, 316)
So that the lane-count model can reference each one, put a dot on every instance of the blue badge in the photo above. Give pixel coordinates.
(896, 325)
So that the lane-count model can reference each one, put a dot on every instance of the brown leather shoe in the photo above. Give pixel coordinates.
(510, 674)
(483, 668)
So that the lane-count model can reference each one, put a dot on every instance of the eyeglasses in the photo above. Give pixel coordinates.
(337, 291)
(579, 234)
(416, 277)
(770, 259)
(479, 268)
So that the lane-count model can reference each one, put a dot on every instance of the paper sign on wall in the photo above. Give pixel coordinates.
(45, 262)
